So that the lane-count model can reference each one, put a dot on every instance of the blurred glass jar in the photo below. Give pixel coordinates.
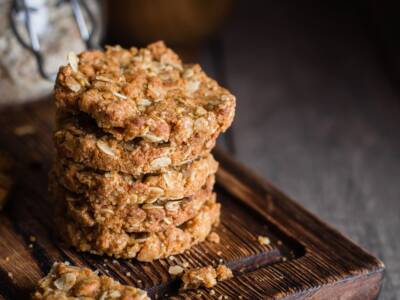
(58, 33)
(178, 22)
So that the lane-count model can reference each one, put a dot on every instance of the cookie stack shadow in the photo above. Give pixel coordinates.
(133, 176)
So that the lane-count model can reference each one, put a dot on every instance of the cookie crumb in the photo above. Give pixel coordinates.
(10, 275)
(205, 277)
(212, 292)
(263, 240)
(32, 238)
(185, 264)
(128, 274)
(175, 270)
(223, 273)
(213, 237)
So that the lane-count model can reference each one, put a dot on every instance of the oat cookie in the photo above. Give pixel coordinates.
(68, 282)
(80, 140)
(132, 217)
(143, 246)
(121, 189)
(146, 93)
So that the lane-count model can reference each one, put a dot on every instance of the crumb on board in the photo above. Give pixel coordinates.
(205, 277)
(185, 264)
(263, 240)
(213, 237)
(175, 270)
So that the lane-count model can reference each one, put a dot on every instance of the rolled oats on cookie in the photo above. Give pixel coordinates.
(148, 217)
(79, 140)
(142, 246)
(124, 189)
(144, 93)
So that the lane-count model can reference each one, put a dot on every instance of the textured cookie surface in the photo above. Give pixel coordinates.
(68, 282)
(145, 93)
(144, 246)
(123, 189)
(77, 138)
(153, 217)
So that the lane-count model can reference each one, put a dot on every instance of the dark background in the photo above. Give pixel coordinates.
(317, 85)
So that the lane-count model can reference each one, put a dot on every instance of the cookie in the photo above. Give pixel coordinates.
(68, 282)
(144, 93)
(121, 189)
(143, 246)
(77, 138)
(131, 217)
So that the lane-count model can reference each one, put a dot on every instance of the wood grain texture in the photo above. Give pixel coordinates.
(319, 117)
(306, 258)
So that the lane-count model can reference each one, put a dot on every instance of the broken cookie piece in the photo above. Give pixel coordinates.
(67, 282)
(205, 277)
(213, 237)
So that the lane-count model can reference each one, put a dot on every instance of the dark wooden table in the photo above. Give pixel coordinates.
(319, 116)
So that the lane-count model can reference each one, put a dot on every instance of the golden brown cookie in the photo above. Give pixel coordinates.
(68, 282)
(146, 93)
(131, 217)
(142, 246)
(123, 189)
(77, 138)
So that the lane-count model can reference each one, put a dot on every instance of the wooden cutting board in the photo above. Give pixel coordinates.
(305, 259)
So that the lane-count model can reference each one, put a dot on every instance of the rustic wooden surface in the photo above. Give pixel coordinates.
(319, 116)
(305, 259)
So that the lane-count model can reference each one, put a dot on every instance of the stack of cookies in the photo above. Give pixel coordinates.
(134, 176)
